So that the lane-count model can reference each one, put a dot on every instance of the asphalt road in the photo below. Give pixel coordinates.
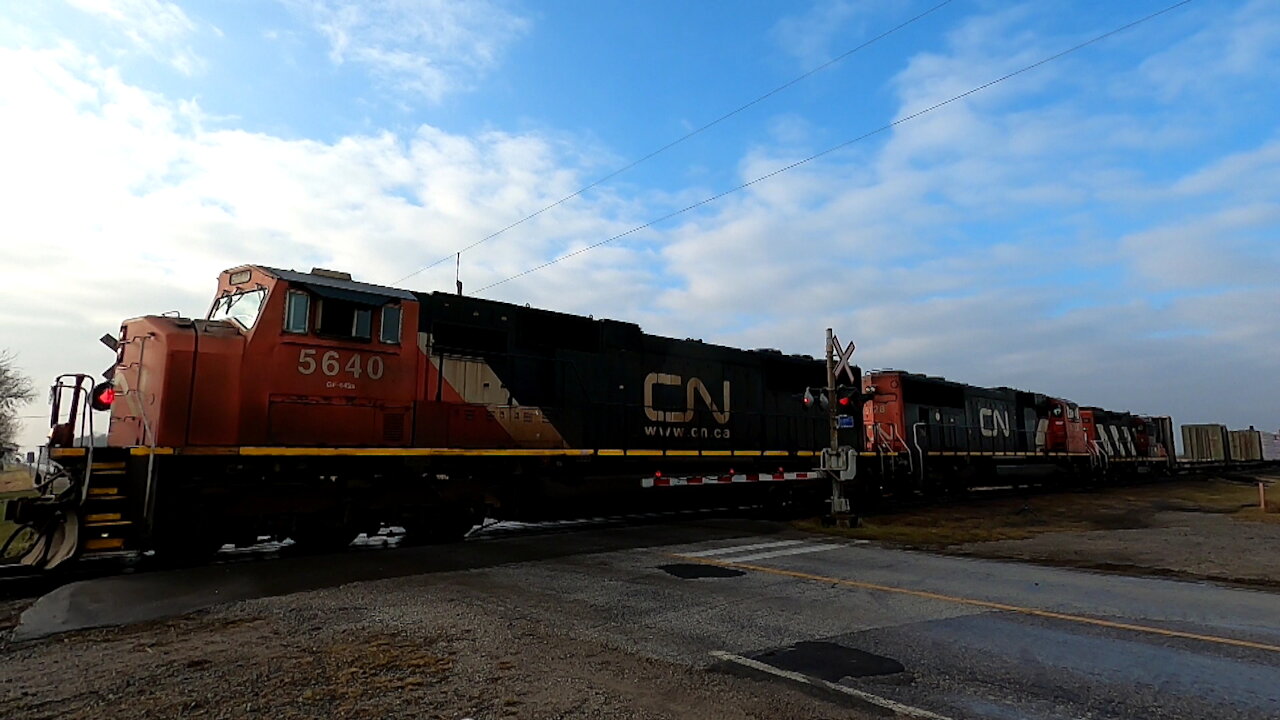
(924, 635)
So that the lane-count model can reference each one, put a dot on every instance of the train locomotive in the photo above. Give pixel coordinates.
(310, 406)
(954, 436)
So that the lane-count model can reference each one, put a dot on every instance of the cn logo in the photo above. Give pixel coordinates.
(993, 422)
(693, 389)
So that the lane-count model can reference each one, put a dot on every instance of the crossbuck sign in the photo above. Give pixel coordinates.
(842, 359)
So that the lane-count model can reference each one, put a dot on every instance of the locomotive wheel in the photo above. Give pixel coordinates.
(189, 541)
(447, 525)
(186, 549)
(323, 538)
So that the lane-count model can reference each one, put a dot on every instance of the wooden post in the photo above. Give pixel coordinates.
(1262, 496)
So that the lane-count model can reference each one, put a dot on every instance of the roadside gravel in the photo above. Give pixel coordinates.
(444, 646)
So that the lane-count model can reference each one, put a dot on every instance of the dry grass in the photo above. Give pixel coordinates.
(1017, 518)
(15, 482)
(349, 676)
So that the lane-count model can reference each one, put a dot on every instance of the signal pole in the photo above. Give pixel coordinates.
(833, 464)
(831, 391)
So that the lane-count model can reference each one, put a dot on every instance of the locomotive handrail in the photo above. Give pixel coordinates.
(79, 397)
(1104, 458)
(149, 433)
(915, 440)
(893, 429)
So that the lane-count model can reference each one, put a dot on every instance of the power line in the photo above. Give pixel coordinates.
(681, 139)
(842, 145)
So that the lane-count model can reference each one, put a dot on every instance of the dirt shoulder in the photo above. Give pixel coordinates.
(406, 648)
(1204, 529)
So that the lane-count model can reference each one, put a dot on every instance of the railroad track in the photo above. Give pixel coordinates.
(18, 581)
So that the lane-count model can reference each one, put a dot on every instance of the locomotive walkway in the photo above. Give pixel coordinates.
(918, 634)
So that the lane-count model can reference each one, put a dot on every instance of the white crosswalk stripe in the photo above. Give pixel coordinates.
(761, 551)
(741, 548)
(780, 553)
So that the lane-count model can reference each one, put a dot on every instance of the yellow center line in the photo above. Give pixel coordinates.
(986, 604)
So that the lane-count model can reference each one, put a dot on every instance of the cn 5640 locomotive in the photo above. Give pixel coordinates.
(310, 406)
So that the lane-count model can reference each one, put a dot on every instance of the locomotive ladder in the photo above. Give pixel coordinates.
(109, 517)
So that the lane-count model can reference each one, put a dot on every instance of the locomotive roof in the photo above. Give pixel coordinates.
(939, 380)
(322, 281)
(442, 297)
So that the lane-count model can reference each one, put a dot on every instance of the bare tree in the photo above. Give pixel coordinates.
(16, 390)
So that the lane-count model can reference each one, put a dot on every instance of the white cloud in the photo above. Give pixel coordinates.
(809, 36)
(1233, 247)
(1228, 49)
(427, 48)
(156, 27)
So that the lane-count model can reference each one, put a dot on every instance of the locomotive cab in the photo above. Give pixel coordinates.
(281, 358)
(1064, 431)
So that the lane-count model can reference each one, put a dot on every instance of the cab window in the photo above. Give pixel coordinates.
(362, 324)
(242, 307)
(297, 312)
(389, 331)
(343, 320)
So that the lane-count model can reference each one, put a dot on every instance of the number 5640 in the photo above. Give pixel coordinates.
(331, 364)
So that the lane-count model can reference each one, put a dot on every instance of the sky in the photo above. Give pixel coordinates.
(1102, 227)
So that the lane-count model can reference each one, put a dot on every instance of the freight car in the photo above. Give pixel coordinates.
(1245, 445)
(1213, 444)
(1270, 446)
(1205, 443)
(311, 406)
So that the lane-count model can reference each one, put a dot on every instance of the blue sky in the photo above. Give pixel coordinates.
(1103, 227)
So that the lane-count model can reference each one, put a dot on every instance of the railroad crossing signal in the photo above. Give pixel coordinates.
(815, 397)
(847, 401)
(842, 359)
(102, 396)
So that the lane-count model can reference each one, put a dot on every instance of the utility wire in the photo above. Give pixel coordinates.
(842, 145)
(681, 139)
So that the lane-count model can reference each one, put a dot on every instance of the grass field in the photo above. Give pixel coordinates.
(1015, 518)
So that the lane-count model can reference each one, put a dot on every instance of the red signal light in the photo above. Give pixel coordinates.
(845, 401)
(103, 395)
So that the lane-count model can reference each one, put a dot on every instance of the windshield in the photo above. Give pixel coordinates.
(243, 307)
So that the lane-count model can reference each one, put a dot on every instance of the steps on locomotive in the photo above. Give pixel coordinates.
(109, 515)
